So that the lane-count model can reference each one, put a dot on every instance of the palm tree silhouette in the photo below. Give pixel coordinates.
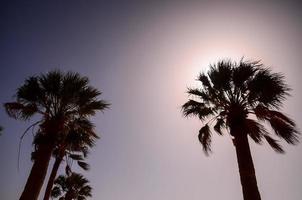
(238, 97)
(74, 146)
(73, 187)
(58, 98)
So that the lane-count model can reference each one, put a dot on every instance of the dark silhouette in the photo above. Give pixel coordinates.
(74, 146)
(73, 187)
(238, 97)
(58, 98)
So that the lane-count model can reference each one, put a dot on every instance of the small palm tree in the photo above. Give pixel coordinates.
(73, 187)
(237, 97)
(58, 98)
(74, 146)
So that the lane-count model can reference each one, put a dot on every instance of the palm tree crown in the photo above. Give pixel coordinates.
(71, 187)
(76, 143)
(74, 146)
(61, 99)
(233, 96)
(58, 97)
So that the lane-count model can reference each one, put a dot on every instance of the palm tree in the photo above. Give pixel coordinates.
(74, 146)
(237, 97)
(58, 98)
(73, 187)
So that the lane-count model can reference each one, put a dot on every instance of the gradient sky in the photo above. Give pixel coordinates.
(142, 56)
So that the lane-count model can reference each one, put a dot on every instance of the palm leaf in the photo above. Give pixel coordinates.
(221, 75)
(284, 130)
(204, 138)
(268, 88)
(83, 165)
(76, 157)
(219, 125)
(274, 144)
(243, 73)
(254, 129)
(68, 170)
(195, 108)
(204, 80)
(20, 111)
(56, 192)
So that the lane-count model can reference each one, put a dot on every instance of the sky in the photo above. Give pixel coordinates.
(143, 55)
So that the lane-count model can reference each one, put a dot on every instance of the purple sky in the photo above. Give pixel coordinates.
(143, 56)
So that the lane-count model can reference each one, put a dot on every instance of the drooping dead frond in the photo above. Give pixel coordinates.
(254, 129)
(284, 130)
(219, 125)
(274, 144)
(204, 137)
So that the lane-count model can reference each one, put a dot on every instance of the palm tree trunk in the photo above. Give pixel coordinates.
(246, 168)
(52, 177)
(38, 172)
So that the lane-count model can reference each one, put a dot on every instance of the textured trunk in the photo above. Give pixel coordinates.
(246, 168)
(52, 177)
(38, 172)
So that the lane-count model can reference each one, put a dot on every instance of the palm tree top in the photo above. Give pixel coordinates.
(59, 97)
(239, 96)
(54, 94)
(74, 186)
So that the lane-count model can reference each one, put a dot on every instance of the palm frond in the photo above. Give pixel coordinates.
(83, 165)
(284, 130)
(194, 108)
(268, 88)
(255, 130)
(56, 192)
(68, 170)
(243, 73)
(274, 144)
(76, 157)
(282, 117)
(261, 112)
(204, 80)
(204, 138)
(219, 125)
(85, 191)
(30, 91)
(19, 111)
(201, 94)
(93, 106)
(221, 75)
(51, 83)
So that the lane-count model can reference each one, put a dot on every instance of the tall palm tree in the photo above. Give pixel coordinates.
(74, 146)
(73, 187)
(58, 98)
(237, 98)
